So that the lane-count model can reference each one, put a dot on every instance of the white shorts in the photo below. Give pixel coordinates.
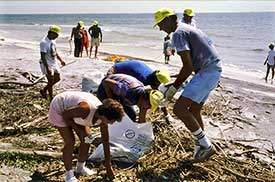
(95, 42)
(55, 69)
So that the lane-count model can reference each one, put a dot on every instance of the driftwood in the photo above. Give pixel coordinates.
(24, 84)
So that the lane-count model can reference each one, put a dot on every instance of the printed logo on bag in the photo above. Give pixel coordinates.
(130, 133)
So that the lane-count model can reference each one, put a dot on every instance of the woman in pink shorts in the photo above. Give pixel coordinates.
(73, 111)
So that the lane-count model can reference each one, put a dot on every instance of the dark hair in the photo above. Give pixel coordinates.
(153, 80)
(111, 109)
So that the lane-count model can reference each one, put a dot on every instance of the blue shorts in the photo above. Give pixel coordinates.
(201, 84)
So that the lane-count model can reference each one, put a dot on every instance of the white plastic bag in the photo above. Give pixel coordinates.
(128, 141)
(90, 82)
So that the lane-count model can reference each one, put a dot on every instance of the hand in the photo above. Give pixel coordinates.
(170, 92)
(168, 118)
(63, 63)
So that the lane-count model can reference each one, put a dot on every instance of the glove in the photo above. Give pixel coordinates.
(170, 92)
(89, 139)
(168, 118)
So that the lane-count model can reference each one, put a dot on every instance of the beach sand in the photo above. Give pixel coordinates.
(242, 110)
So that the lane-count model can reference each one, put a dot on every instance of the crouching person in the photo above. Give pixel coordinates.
(74, 111)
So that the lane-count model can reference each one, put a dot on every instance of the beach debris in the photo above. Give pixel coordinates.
(115, 58)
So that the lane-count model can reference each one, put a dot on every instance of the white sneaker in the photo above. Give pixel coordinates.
(202, 153)
(86, 172)
(72, 179)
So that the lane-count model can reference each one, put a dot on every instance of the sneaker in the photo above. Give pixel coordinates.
(202, 153)
(85, 172)
(71, 179)
(43, 94)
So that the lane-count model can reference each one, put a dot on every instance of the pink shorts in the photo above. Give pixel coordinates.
(56, 119)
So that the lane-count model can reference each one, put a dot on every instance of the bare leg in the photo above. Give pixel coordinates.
(195, 109)
(69, 141)
(181, 110)
(91, 50)
(267, 72)
(83, 148)
(96, 48)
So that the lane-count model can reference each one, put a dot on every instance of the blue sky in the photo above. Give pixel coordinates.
(131, 6)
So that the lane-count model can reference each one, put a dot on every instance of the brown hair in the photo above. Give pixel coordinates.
(111, 109)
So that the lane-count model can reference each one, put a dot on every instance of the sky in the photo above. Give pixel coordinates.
(131, 6)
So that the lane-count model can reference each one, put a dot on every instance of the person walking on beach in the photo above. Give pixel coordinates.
(188, 17)
(85, 42)
(166, 47)
(77, 34)
(270, 61)
(96, 37)
(198, 55)
(73, 111)
(129, 92)
(48, 63)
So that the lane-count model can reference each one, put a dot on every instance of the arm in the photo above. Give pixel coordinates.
(100, 34)
(186, 69)
(266, 60)
(109, 86)
(72, 34)
(44, 61)
(81, 110)
(106, 148)
(60, 59)
(142, 115)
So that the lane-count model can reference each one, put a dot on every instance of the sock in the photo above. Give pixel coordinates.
(80, 166)
(69, 174)
(201, 138)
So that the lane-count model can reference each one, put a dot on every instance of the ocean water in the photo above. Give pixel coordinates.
(241, 38)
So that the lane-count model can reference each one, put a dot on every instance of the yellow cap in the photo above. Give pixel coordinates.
(189, 12)
(156, 99)
(95, 22)
(162, 77)
(81, 23)
(161, 14)
(56, 29)
(271, 45)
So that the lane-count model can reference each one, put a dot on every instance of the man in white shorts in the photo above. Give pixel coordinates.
(198, 55)
(270, 62)
(96, 37)
(48, 63)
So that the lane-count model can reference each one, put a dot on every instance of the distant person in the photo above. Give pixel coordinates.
(166, 49)
(129, 92)
(199, 55)
(85, 42)
(96, 37)
(77, 34)
(73, 111)
(270, 61)
(144, 74)
(188, 17)
(48, 63)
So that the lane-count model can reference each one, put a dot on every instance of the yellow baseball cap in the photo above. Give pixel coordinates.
(161, 14)
(162, 77)
(81, 23)
(95, 22)
(56, 29)
(156, 99)
(189, 12)
(271, 45)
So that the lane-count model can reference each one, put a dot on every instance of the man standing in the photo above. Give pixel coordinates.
(198, 55)
(48, 63)
(78, 34)
(188, 15)
(95, 32)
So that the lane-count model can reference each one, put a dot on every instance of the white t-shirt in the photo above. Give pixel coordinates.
(270, 57)
(68, 99)
(49, 47)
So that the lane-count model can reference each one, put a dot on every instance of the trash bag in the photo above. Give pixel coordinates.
(90, 82)
(128, 141)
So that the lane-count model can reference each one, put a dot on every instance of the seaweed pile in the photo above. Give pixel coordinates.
(35, 146)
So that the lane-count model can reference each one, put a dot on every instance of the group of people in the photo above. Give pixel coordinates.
(132, 83)
(81, 39)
